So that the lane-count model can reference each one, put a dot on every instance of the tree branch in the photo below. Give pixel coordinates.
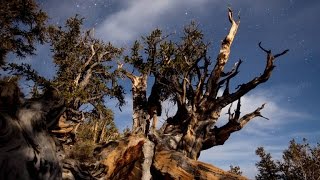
(234, 116)
(222, 58)
(30, 74)
(246, 118)
(76, 81)
(185, 81)
(88, 74)
(93, 98)
(126, 73)
(87, 77)
(245, 88)
(230, 75)
(218, 136)
(199, 89)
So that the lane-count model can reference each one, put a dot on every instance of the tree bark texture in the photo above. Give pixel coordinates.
(136, 157)
(27, 151)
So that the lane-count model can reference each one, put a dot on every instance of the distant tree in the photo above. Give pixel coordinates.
(267, 168)
(235, 170)
(300, 161)
(22, 24)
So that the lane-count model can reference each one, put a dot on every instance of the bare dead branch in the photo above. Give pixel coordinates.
(231, 74)
(234, 116)
(62, 131)
(200, 85)
(226, 90)
(246, 118)
(126, 73)
(218, 136)
(267, 51)
(101, 55)
(87, 76)
(280, 54)
(230, 15)
(245, 88)
(93, 52)
(237, 111)
(185, 83)
(212, 85)
(229, 112)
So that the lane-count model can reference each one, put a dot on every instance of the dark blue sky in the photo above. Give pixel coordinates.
(291, 94)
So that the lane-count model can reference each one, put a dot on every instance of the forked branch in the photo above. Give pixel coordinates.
(230, 75)
(245, 88)
(246, 118)
(218, 136)
(93, 52)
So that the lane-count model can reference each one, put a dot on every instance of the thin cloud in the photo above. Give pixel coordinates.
(140, 16)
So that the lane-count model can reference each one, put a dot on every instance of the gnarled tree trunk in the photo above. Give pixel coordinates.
(136, 157)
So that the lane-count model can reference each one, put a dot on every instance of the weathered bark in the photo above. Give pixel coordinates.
(27, 151)
(139, 97)
(135, 157)
(144, 109)
(128, 158)
(223, 57)
(174, 165)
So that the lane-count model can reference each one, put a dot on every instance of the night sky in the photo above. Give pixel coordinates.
(291, 94)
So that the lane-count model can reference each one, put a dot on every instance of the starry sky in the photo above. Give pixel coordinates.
(291, 95)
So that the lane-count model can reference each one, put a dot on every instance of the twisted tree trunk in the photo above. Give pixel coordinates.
(136, 157)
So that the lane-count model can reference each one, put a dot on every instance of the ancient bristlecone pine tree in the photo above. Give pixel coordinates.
(180, 72)
(183, 73)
